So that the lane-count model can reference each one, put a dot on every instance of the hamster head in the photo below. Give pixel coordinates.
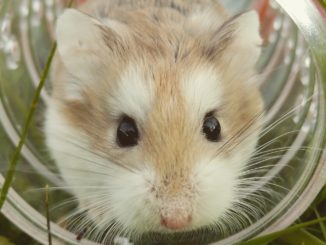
(151, 124)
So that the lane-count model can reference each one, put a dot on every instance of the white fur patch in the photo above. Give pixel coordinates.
(203, 91)
(216, 181)
(133, 95)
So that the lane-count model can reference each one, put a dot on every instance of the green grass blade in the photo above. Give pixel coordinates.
(14, 160)
(300, 237)
(5, 241)
(321, 196)
(323, 3)
(275, 235)
(48, 221)
(16, 155)
(322, 225)
(3, 8)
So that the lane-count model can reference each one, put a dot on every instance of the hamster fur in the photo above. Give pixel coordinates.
(166, 65)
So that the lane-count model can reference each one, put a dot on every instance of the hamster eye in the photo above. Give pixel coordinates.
(127, 132)
(211, 128)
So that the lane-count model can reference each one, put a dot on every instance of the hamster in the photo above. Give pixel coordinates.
(154, 112)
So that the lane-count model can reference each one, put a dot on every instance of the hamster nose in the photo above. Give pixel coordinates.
(175, 223)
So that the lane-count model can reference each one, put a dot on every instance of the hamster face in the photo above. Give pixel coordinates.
(151, 124)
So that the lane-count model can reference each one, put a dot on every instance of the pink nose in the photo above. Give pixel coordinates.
(175, 223)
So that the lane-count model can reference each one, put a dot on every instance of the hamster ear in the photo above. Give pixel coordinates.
(80, 41)
(237, 43)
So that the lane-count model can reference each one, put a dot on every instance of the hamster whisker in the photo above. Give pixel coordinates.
(70, 222)
(61, 204)
(255, 178)
(253, 196)
(267, 186)
(234, 220)
(112, 233)
(92, 233)
(238, 133)
(82, 224)
(55, 188)
(242, 133)
(250, 211)
(220, 226)
(91, 173)
(103, 169)
(77, 212)
(85, 197)
(253, 208)
(268, 195)
(286, 115)
(77, 225)
(258, 164)
(100, 154)
(265, 158)
(241, 139)
(103, 166)
(261, 159)
(285, 148)
(263, 190)
(259, 170)
(272, 151)
(270, 156)
(255, 185)
(274, 140)
(89, 159)
(105, 228)
(246, 195)
(247, 209)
